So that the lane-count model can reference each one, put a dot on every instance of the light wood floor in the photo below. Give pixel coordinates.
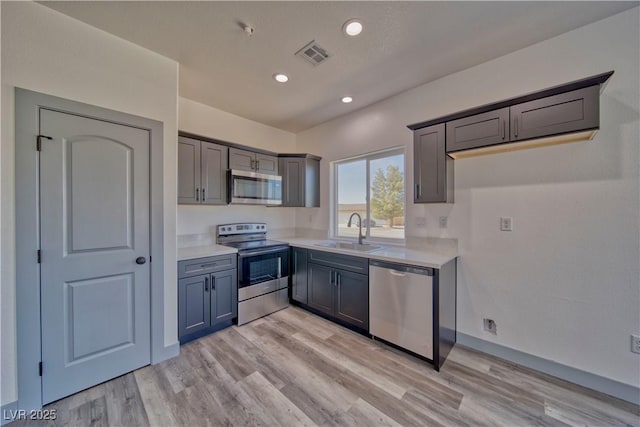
(293, 369)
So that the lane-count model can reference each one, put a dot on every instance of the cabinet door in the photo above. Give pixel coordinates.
(266, 164)
(292, 170)
(567, 112)
(352, 298)
(241, 159)
(320, 286)
(311, 192)
(188, 170)
(478, 131)
(193, 304)
(433, 169)
(224, 296)
(214, 174)
(299, 275)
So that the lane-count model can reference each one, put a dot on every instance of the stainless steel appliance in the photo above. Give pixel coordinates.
(263, 269)
(401, 306)
(252, 188)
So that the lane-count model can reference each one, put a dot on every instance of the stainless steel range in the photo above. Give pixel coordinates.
(263, 269)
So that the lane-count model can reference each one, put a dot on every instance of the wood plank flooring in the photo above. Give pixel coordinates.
(296, 369)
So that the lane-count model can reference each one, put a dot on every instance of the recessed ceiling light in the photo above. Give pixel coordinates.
(281, 78)
(352, 27)
(347, 99)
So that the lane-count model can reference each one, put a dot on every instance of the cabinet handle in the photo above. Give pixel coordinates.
(504, 129)
(253, 164)
(257, 165)
(418, 191)
(197, 194)
(515, 124)
(337, 279)
(213, 283)
(206, 284)
(203, 199)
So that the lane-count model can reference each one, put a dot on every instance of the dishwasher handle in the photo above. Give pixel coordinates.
(400, 269)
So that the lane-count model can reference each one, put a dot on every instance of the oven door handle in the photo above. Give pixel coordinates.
(245, 254)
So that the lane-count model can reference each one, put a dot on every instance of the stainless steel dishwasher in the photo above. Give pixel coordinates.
(401, 306)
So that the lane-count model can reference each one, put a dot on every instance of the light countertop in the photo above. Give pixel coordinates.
(397, 254)
(192, 252)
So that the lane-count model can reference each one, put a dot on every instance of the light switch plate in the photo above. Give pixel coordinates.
(506, 223)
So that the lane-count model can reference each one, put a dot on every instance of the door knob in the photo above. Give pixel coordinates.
(141, 260)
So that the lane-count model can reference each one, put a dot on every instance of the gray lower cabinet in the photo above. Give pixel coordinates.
(352, 298)
(202, 172)
(339, 292)
(321, 288)
(300, 180)
(193, 305)
(479, 130)
(207, 295)
(224, 296)
(554, 115)
(433, 169)
(252, 162)
(299, 275)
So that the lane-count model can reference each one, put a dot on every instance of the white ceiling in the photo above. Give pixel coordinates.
(404, 44)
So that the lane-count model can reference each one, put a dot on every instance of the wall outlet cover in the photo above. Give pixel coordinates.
(635, 343)
(443, 222)
(421, 221)
(490, 326)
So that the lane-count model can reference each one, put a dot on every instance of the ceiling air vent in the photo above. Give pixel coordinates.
(313, 53)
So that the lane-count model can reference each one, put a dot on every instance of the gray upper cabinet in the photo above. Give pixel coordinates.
(252, 162)
(241, 160)
(214, 174)
(479, 130)
(567, 112)
(202, 172)
(300, 181)
(433, 169)
(188, 170)
(266, 164)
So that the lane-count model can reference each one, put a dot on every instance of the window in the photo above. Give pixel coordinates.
(372, 186)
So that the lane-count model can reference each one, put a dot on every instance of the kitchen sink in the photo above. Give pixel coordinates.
(350, 246)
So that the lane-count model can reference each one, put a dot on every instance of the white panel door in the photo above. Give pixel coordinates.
(95, 275)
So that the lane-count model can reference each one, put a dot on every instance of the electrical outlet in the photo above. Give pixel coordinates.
(443, 222)
(635, 343)
(490, 326)
(506, 223)
(421, 221)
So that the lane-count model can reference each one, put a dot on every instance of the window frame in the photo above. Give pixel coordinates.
(368, 157)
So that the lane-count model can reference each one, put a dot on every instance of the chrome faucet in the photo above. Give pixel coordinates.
(360, 236)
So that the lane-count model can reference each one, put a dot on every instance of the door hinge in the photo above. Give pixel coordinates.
(39, 256)
(39, 141)
(40, 368)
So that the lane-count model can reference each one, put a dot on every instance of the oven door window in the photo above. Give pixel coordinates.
(262, 268)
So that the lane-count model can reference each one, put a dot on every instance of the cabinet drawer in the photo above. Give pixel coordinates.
(478, 131)
(194, 267)
(345, 262)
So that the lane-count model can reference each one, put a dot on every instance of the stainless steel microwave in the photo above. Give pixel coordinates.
(252, 188)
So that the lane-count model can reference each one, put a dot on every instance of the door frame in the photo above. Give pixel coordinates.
(29, 339)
